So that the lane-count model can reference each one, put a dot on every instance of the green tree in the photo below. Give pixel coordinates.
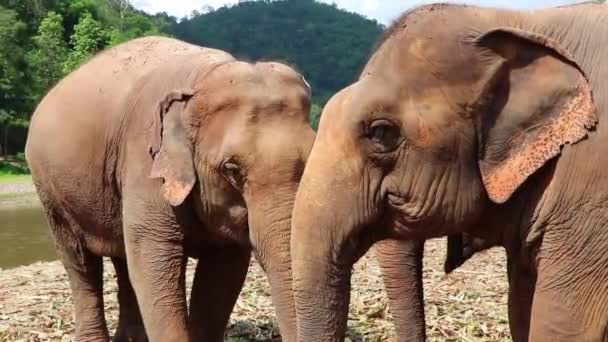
(89, 37)
(133, 25)
(328, 45)
(30, 12)
(41, 40)
(73, 10)
(49, 54)
(13, 99)
(315, 115)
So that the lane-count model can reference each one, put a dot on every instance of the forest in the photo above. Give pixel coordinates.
(41, 41)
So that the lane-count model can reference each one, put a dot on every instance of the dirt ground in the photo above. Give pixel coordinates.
(467, 305)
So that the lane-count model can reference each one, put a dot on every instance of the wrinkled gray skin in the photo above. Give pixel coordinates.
(468, 120)
(158, 150)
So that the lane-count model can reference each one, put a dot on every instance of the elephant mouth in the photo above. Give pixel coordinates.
(228, 234)
(396, 200)
(403, 216)
(235, 230)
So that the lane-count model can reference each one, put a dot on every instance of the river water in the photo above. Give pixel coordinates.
(24, 237)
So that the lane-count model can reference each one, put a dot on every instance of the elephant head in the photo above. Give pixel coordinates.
(235, 146)
(455, 110)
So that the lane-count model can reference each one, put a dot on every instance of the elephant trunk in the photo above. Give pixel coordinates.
(321, 282)
(401, 265)
(323, 252)
(270, 234)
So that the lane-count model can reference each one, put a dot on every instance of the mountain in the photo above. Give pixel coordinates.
(328, 45)
(42, 40)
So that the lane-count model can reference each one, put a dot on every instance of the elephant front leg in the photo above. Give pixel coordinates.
(218, 280)
(521, 294)
(156, 264)
(570, 301)
(130, 324)
(401, 265)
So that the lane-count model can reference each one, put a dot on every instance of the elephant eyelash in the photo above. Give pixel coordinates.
(384, 135)
(233, 173)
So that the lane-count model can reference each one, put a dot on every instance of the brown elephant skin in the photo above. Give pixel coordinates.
(157, 150)
(474, 121)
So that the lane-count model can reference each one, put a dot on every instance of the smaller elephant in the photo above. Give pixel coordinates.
(155, 151)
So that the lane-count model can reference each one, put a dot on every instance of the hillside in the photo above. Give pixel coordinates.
(43, 40)
(328, 45)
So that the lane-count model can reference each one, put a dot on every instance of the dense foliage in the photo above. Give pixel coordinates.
(43, 40)
(327, 44)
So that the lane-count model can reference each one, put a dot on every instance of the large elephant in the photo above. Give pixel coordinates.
(474, 120)
(157, 150)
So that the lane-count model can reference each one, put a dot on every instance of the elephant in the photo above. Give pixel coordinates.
(476, 121)
(400, 263)
(158, 150)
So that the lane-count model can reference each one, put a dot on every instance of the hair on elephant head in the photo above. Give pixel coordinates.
(430, 136)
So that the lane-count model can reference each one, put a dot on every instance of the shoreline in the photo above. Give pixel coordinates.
(18, 194)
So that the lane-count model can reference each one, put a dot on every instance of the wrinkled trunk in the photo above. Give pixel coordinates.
(321, 282)
(322, 247)
(401, 265)
(271, 225)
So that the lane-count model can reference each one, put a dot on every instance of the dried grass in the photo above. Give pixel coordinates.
(468, 305)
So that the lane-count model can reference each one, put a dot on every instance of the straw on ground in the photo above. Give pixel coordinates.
(468, 305)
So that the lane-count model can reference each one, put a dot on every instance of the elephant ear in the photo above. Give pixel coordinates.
(171, 149)
(539, 101)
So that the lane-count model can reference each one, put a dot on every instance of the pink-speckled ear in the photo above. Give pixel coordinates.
(541, 102)
(171, 150)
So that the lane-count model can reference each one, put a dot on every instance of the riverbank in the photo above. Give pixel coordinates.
(17, 191)
(468, 305)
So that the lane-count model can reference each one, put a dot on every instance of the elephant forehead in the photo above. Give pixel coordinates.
(282, 142)
(256, 94)
(270, 138)
(429, 114)
(253, 100)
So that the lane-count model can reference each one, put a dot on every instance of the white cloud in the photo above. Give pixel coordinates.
(385, 11)
(178, 8)
(382, 10)
(370, 5)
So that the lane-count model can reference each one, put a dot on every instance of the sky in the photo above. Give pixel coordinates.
(383, 11)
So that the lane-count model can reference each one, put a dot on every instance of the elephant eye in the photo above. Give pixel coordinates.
(384, 135)
(233, 173)
(378, 133)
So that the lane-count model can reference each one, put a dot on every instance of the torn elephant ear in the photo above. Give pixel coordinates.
(541, 102)
(171, 149)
